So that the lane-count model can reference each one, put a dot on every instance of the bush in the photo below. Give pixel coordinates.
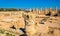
(1, 9)
(2, 31)
(8, 34)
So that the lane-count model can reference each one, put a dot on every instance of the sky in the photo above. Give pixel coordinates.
(29, 4)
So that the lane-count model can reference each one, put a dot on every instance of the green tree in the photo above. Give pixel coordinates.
(1, 9)
(11, 9)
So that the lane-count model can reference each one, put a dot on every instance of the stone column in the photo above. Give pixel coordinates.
(36, 10)
(50, 10)
(40, 12)
(30, 9)
(46, 11)
(56, 11)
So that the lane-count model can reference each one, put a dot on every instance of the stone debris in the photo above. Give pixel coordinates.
(33, 23)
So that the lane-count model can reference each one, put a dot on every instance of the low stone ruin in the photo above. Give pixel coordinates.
(35, 23)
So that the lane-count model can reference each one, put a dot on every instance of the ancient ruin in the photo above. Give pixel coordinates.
(34, 23)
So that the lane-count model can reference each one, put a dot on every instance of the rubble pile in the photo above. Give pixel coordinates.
(33, 23)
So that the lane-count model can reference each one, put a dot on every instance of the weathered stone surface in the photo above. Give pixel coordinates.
(34, 23)
(12, 19)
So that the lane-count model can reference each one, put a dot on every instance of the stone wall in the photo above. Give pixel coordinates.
(9, 19)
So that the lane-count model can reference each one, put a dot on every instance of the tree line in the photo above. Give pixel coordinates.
(10, 9)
